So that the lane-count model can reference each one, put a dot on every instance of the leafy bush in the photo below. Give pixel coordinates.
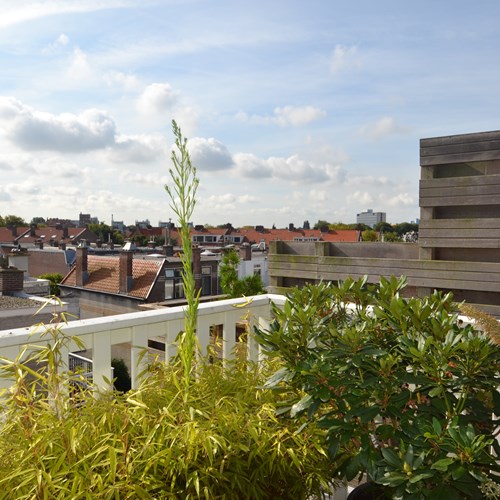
(403, 391)
(221, 439)
(121, 376)
(54, 280)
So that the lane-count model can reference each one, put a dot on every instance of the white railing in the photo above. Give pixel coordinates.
(129, 334)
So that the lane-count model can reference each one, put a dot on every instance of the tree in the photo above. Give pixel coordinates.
(2, 221)
(369, 235)
(383, 227)
(230, 283)
(38, 221)
(14, 220)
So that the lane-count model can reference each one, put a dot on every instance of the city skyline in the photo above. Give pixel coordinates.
(292, 111)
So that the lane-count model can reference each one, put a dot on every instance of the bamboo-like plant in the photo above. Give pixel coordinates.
(183, 201)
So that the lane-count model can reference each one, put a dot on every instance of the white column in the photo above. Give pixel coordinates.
(139, 357)
(101, 355)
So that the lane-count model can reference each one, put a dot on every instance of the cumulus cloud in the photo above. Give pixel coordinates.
(344, 58)
(286, 116)
(35, 130)
(317, 195)
(209, 154)
(127, 81)
(402, 199)
(292, 168)
(360, 197)
(383, 127)
(297, 115)
(156, 99)
(251, 166)
(137, 149)
(61, 41)
(369, 180)
(138, 178)
(79, 69)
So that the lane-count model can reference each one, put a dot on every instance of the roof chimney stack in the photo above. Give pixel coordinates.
(125, 277)
(82, 271)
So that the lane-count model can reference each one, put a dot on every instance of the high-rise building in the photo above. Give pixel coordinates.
(370, 218)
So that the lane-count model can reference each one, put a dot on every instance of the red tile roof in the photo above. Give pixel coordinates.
(268, 235)
(104, 275)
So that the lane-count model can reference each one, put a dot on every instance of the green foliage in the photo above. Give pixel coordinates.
(38, 221)
(369, 235)
(403, 391)
(121, 377)
(391, 237)
(14, 220)
(233, 286)
(59, 440)
(105, 232)
(183, 201)
(54, 280)
(2, 221)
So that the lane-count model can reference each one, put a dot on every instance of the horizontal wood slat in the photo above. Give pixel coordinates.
(460, 201)
(479, 276)
(427, 242)
(426, 161)
(458, 224)
(460, 139)
(460, 182)
(469, 147)
(493, 189)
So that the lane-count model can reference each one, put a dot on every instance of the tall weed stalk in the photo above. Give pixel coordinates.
(183, 201)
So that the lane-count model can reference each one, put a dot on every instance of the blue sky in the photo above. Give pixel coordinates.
(293, 110)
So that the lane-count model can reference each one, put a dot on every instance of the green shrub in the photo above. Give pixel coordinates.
(404, 392)
(222, 439)
(54, 280)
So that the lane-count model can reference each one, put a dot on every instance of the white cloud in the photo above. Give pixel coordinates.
(138, 178)
(19, 12)
(297, 115)
(79, 69)
(157, 98)
(61, 41)
(127, 81)
(360, 197)
(35, 130)
(247, 198)
(316, 195)
(402, 199)
(344, 58)
(383, 127)
(251, 166)
(209, 154)
(137, 149)
(222, 198)
(286, 116)
(369, 180)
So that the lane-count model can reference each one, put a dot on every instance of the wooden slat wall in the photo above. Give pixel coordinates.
(460, 148)
(476, 276)
(460, 233)
(460, 191)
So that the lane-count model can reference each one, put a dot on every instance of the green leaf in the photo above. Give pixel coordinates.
(391, 458)
(443, 464)
(301, 406)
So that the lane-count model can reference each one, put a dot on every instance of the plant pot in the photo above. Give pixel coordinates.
(368, 491)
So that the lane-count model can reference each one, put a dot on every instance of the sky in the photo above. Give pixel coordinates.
(293, 110)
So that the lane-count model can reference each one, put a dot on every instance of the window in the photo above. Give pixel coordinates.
(206, 280)
(173, 284)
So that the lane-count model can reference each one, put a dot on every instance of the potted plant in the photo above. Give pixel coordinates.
(404, 391)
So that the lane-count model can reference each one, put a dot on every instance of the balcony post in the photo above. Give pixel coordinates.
(138, 364)
(101, 355)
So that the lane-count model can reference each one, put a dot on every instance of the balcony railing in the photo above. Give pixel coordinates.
(128, 335)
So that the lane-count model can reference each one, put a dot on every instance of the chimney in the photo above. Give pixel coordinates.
(245, 251)
(65, 232)
(13, 230)
(33, 230)
(62, 245)
(39, 244)
(11, 280)
(197, 267)
(291, 227)
(151, 244)
(168, 250)
(82, 271)
(125, 276)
